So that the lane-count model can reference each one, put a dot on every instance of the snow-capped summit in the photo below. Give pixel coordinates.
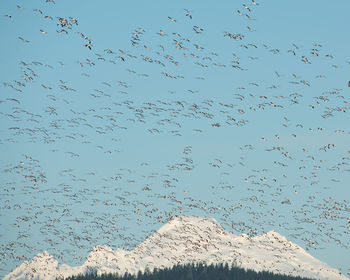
(185, 240)
(42, 266)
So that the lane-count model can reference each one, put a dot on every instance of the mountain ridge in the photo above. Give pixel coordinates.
(188, 239)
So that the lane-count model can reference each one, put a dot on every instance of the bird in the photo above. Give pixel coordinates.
(23, 40)
(188, 13)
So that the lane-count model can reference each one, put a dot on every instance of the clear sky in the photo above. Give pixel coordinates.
(116, 115)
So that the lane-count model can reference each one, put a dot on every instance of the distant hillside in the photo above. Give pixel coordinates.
(191, 272)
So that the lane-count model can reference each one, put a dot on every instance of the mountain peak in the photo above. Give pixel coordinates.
(188, 239)
(183, 221)
(42, 265)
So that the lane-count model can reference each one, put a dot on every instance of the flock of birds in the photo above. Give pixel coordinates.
(283, 178)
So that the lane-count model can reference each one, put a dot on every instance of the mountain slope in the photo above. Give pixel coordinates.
(186, 240)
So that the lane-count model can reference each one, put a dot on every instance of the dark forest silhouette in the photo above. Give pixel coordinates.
(192, 272)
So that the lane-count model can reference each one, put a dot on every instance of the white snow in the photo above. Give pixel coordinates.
(185, 240)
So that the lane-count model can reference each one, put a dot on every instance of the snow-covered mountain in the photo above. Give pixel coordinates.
(185, 240)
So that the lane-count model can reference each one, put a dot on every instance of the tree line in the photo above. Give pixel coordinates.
(196, 271)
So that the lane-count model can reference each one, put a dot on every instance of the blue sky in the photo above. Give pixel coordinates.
(109, 145)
